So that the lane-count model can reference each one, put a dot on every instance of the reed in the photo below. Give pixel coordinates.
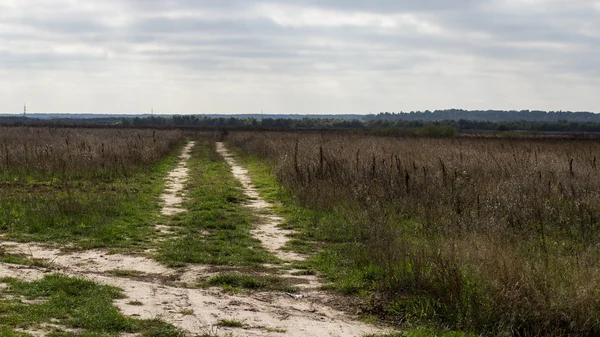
(81, 153)
(491, 235)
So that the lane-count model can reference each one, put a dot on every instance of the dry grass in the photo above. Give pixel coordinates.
(493, 235)
(89, 187)
(78, 152)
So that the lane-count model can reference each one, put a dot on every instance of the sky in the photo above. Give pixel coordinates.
(298, 56)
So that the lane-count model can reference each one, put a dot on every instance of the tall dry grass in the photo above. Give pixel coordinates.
(498, 236)
(87, 187)
(80, 152)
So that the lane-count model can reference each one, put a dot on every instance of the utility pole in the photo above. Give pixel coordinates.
(25, 110)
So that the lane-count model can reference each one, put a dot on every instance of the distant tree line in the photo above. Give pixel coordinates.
(383, 123)
(488, 115)
(398, 126)
(246, 123)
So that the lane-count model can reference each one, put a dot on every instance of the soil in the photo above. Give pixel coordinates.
(175, 183)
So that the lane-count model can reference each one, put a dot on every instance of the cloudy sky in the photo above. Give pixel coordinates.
(298, 56)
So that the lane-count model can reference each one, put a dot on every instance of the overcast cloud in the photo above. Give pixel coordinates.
(298, 56)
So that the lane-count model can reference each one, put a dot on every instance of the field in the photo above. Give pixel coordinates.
(491, 235)
(139, 232)
(91, 188)
(151, 233)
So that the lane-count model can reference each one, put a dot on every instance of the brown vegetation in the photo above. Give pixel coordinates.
(498, 236)
(71, 152)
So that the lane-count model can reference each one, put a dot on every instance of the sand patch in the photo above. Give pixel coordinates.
(175, 182)
(87, 261)
(198, 310)
(270, 235)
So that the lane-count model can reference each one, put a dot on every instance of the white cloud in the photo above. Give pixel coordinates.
(297, 16)
(200, 56)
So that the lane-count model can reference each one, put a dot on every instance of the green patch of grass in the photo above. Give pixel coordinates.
(89, 213)
(73, 303)
(347, 276)
(23, 260)
(136, 303)
(301, 246)
(8, 332)
(426, 332)
(186, 312)
(231, 323)
(216, 228)
(305, 272)
(124, 273)
(276, 330)
(236, 281)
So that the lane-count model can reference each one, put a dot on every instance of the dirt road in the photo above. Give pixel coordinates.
(171, 294)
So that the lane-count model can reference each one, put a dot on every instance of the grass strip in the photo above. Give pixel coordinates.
(237, 281)
(216, 228)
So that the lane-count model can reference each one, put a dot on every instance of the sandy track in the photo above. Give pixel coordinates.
(175, 183)
(163, 294)
(267, 231)
(170, 294)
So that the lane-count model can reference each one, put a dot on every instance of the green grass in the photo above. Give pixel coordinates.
(8, 332)
(276, 330)
(236, 281)
(426, 332)
(186, 312)
(22, 260)
(231, 323)
(88, 213)
(216, 228)
(125, 273)
(72, 303)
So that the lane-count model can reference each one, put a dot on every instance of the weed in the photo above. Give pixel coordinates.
(276, 330)
(491, 235)
(186, 312)
(236, 281)
(231, 323)
(124, 273)
(22, 260)
(426, 332)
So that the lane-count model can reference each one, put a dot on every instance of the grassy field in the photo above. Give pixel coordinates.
(457, 236)
(491, 236)
(90, 188)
